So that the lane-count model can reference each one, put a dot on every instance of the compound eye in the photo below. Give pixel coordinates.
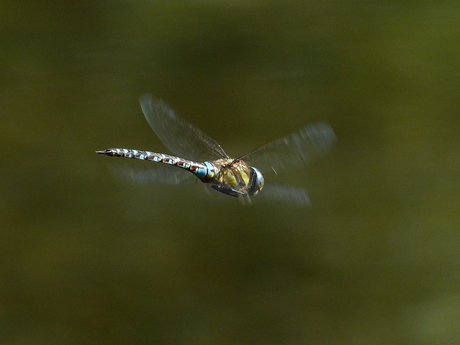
(256, 183)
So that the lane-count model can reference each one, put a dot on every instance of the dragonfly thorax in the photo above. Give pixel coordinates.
(236, 178)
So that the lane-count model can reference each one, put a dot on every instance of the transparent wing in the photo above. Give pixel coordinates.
(273, 193)
(177, 134)
(161, 174)
(288, 194)
(296, 149)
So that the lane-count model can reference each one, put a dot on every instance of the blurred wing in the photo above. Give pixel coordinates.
(161, 174)
(287, 194)
(296, 149)
(177, 134)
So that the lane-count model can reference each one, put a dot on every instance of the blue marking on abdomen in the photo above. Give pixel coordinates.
(205, 173)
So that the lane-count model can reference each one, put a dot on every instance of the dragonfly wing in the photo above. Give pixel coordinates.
(161, 174)
(288, 194)
(275, 193)
(296, 149)
(177, 134)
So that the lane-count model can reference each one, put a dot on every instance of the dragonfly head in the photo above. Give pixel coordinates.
(256, 182)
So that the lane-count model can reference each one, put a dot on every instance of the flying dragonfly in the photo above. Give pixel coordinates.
(238, 177)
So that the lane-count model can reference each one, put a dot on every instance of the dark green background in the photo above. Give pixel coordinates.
(85, 259)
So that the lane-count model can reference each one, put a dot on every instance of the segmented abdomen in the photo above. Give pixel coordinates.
(204, 171)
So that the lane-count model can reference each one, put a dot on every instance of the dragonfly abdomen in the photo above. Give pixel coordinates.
(204, 171)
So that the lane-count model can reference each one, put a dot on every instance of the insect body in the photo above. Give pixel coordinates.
(237, 177)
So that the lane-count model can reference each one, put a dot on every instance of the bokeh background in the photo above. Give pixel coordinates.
(88, 259)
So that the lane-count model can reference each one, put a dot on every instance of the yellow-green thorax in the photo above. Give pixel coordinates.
(232, 174)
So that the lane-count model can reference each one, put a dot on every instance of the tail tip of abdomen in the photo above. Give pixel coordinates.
(107, 152)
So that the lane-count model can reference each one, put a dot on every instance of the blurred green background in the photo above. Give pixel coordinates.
(86, 259)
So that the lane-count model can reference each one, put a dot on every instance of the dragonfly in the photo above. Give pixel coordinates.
(237, 177)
